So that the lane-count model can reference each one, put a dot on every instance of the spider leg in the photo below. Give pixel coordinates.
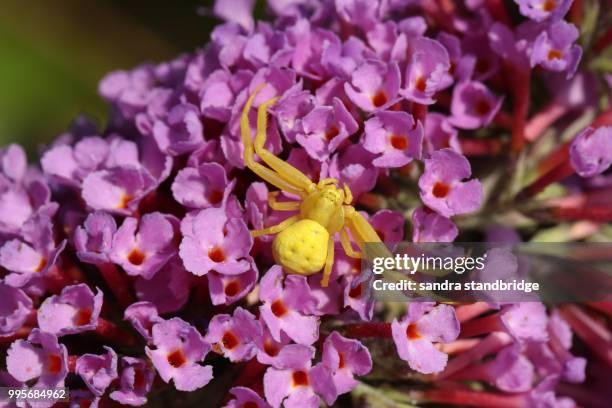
(347, 246)
(263, 172)
(348, 195)
(275, 228)
(329, 263)
(284, 205)
(363, 233)
(289, 173)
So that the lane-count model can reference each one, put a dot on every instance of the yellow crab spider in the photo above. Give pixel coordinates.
(304, 243)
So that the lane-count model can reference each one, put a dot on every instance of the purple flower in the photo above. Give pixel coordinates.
(143, 316)
(282, 353)
(168, 289)
(33, 256)
(181, 132)
(540, 10)
(15, 307)
(117, 190)
(395, 137)
(461, 65)
(427, 71)
(416, 333)
(374, 85)
(360, 13)
(202, 187)
(212, 241)
(135, 382)
(143, 246)
(70, 165)
(130, 91)
(440, 134)
(233, 336)
(246, 398)
(591, 151)
(219, 93)
(13, 162)
(325, 128)
(525, 321)
(177, 350)
(511, 371)
(299, 384)
(442, 186)
(345, 358)
(287, 307)
(39, 358)
(75, 310)
(291, 109)
(554, 48)
(240, 12)
(354, 167)
(227, 289)
(389, 225)
(473, 105)
(429, 226)
(93, 240)
(97, 371)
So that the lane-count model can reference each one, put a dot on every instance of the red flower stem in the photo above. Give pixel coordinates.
(114, 333)
(471, 310)
(419, 112)
(593, 333)
(554, 159)
(72, 363)
(584, 397)
(598, 213)
(490, 344)
(544, 119)
(117, 282)
(364, 330)
(498, 11)
(605, 307)
(475, 372)
(503, 119)
(471, 398)
(21, 333)
(483, 325)
(458, 346)
(480, 147)
(558, 173)
(519, 87)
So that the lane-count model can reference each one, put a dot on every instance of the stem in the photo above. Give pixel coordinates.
(117, 282)
(558, 173)
(471, 398)
(480, 147)
(593, 213)
(592, 332)
(544, 119)
(114, 333)
(483, 325)
(605, 307)
(471, 310)
(363, 330)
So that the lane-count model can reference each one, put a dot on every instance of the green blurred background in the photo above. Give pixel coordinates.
(54, 52)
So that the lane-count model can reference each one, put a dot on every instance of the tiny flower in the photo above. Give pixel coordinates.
(591, 151)
(16, 306)
(440, 134)
(429, 226)
(291, 109)
(93, 240)
(117, 190)
(345, 358)
(525, 321)
(227, 289)
(540, 10)
(299, 384)
(246, 398)
(143, 316)
(176, 352)
(168, 289)
(325, 128)
(416, 333)
(220, 91)
(473, 105)
(212, 241)
(389, 225)
(427, 71)
(240, 12)
(280, 354)
(130, 91)
(354, 167)
(554, 48)
(461, 65)
(135, 382)
(360, 13)
(202, 187)
(75, 310)
(13, 162)
(394, 137)
(286, 308)
(143, 246)
(39, 358)
(511, 371)
(374, 85)
(181, 132)
(233, 336)
(442, 186)
(71, 164)
(97, 371)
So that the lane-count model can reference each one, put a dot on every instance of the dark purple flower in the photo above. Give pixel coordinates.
(345, 358)
(440, 134)
(591, 151)
(540, 10)
(135, 382)
(554, 48)
(427, 71)
(395, 137)
(473, 105)
(93, 240)
(233, 336)
(429, 226)
(168, 289)
(181, 132)
(246, 398)
(143, 316)
(202, 187)
(227, 289)
(97, 371)
(374, 85)
(15, 307)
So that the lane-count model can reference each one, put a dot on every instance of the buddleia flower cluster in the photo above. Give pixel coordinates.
(129, 274)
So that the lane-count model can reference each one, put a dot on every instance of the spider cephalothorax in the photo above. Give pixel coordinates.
(305, 241)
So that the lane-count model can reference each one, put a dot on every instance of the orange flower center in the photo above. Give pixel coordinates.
(215, 196)
(399, 142)
(176, 358)
(271, 349)
(232, 288)
(440, 190)
(278, 308)
(300, 378)
(139, 378)
(41, 264)
(379, 99)
(420, 84)
(136, 257)
(83, 317)
(482, 107)
(341, 362)
(216, 254)
(331, 133)
(412, 332)
(549, 5)
(355, 292)
(554, 54)
(229, 340)
(55, 364)
(125, 200)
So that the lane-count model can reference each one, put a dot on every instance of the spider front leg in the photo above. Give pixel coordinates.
(282, 206)
(276, 228)
(329, 263)
(348, 247)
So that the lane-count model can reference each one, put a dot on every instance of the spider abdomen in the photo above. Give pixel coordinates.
(302, 247)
